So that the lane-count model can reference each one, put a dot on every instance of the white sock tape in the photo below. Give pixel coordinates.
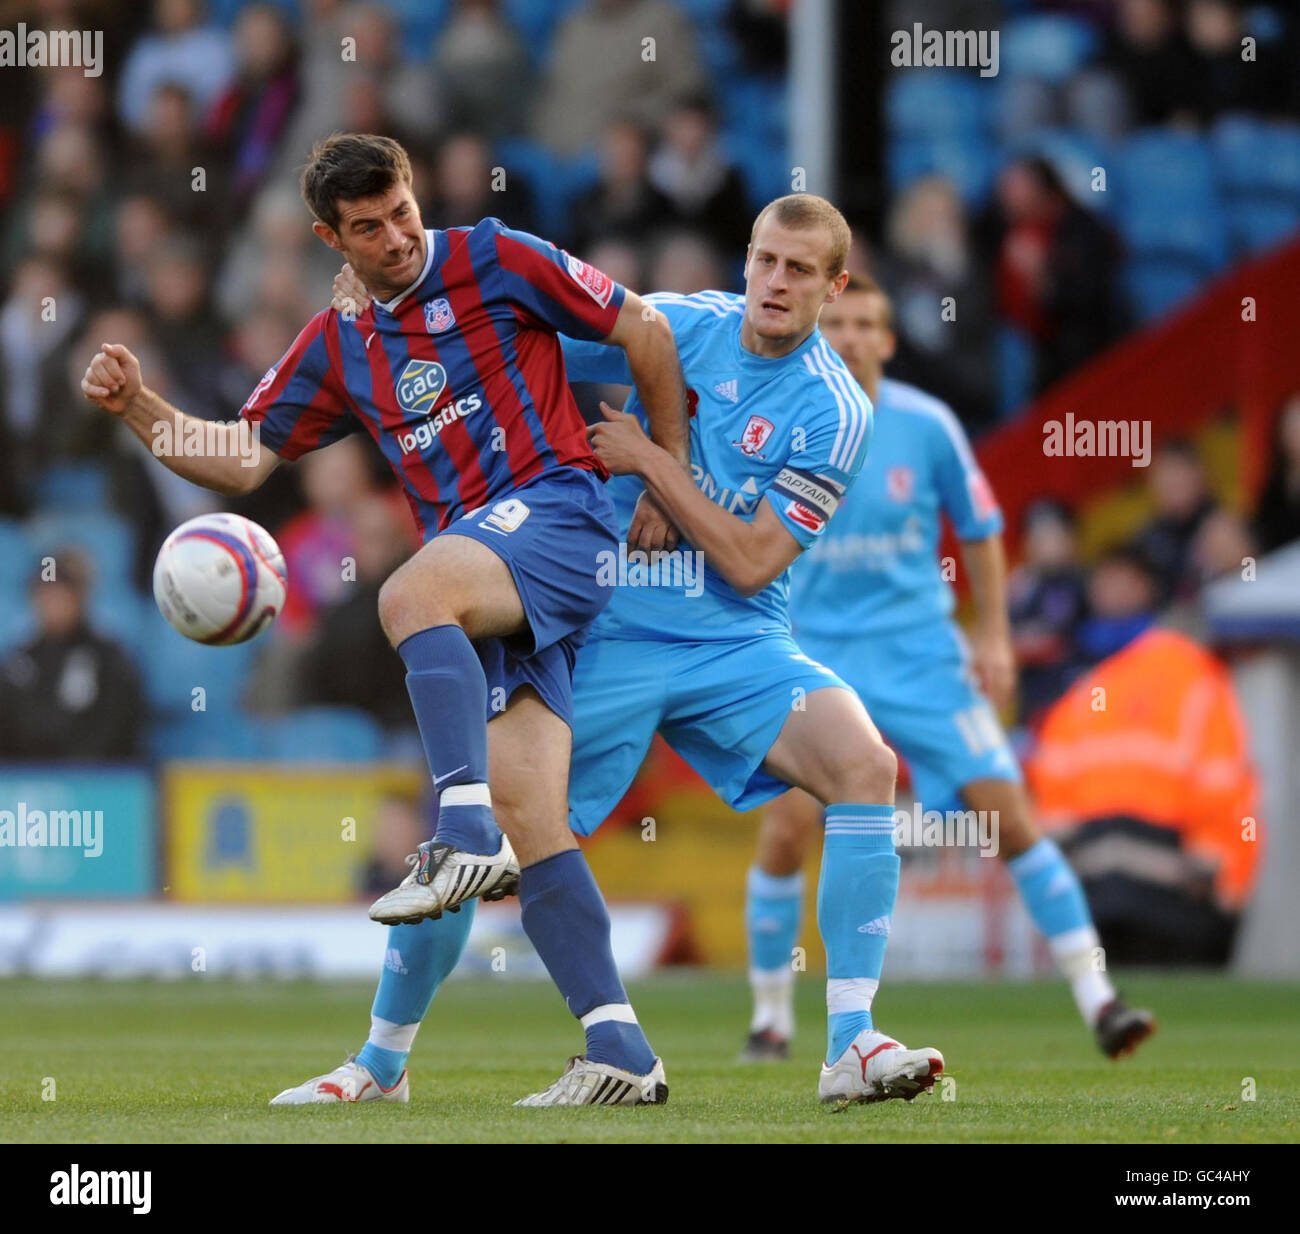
(622, 1012)
(465, 795)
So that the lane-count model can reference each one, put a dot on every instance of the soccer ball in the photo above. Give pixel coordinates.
(220, 579)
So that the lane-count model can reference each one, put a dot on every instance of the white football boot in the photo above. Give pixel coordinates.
(442, 878)
(348, 1082)
(588, 1083)
(876, 1068)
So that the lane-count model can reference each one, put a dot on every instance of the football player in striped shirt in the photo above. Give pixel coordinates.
(455, 370)
(870, 601)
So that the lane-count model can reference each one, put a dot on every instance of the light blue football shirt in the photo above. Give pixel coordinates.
(792, 431)
(876, 569)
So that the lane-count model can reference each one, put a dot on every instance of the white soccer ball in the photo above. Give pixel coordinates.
(220, 579)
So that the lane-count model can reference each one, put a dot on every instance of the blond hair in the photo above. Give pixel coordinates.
(804, 211)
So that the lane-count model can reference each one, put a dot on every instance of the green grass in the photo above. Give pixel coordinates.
(197, 1062)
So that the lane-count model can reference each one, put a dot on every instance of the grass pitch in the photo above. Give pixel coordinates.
(196, 1062)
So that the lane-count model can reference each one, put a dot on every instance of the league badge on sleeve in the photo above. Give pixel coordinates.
(598, 284)
(438, 315)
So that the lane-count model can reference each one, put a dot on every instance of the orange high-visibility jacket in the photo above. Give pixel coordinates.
(1155, 732)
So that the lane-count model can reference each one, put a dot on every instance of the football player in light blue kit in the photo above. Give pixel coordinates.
(697, 640)
(871, 602)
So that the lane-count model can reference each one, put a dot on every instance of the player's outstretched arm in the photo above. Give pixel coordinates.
(226, 458)
(748, 555)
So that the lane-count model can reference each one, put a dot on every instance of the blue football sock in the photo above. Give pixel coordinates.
(1050, 889)
(855, 904)
(449, 694)
(565, 918)
(773, 906)
(417, 958)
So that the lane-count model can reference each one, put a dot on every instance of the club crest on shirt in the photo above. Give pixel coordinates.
(438, 315)
(755, 436)
(900, 482)
(420, 386)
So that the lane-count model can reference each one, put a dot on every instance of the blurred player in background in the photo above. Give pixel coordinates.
(779, 430)
(871, 602)
(456, 372)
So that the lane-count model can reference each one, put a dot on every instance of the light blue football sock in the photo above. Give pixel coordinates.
(1050, 889)
(773, 906)
(417, 958)
(855, 905)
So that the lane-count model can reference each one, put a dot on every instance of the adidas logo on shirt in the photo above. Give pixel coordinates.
(730, 390)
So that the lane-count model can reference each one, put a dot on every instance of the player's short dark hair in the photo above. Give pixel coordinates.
(866, 284)
(348, 166)
(807, 210)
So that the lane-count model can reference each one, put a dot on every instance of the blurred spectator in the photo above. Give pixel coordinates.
(1151, 58)
(622, 260)
(483, 70)
(1224, 80)
(248, 120)
(463, 191)
(706, 192)
(181, 51)
(182, 323)
(1057, 269)
(633, 58)
(1221, 546)
(401, 824)
(685, 262)
(1148, 796)
(1277, 519)
(1123, 595)
(929, 258)
(69, 693)
(348, 660)
(1046, 600)
(140, 228)
(276, 262)
(761, 30)
(167, 151)
(316, 542)
(36, 321)
(624, 204)
(1182, 499)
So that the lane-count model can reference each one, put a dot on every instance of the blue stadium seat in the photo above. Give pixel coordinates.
(1254, 226)
(719, 54)
(1015, 353)
(1074, 155)
(765, 168)
(73, 486)
(1050, 46)
(16, 622)
(937, 103)
(17, 558)
(1167, 203)
(224, 12)
(325, 734)
(1257, 156)
(705, 12)
(108, 540)
(971, 164)
(125, 617)
(1154, 286)
(536, 23)
(173, 665)
(544, 174)
(214, 736)
(420, 22)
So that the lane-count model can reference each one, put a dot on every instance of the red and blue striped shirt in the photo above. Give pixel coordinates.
(460, 380)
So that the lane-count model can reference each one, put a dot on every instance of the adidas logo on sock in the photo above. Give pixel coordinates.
(877, 925)
(393, 961)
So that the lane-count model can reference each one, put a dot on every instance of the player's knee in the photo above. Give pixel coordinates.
(870, 775)
(392, 607)
(407, 605)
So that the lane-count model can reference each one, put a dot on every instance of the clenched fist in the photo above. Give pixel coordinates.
(112, 378)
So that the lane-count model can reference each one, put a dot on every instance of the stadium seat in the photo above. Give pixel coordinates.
(16, 622)
(1167, 203)
(1154, 286)
(1074, 155)
(937, 103)
(107, 539)
(1049, 46)
(1254, 226)
(544, 174)
(705, 12)
(17, 559)
(324, 734)
(217, 736)
(971, 165)
(73, 486)
(1256, 156)
(174, 665)
(420, 22)
(536, 23)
